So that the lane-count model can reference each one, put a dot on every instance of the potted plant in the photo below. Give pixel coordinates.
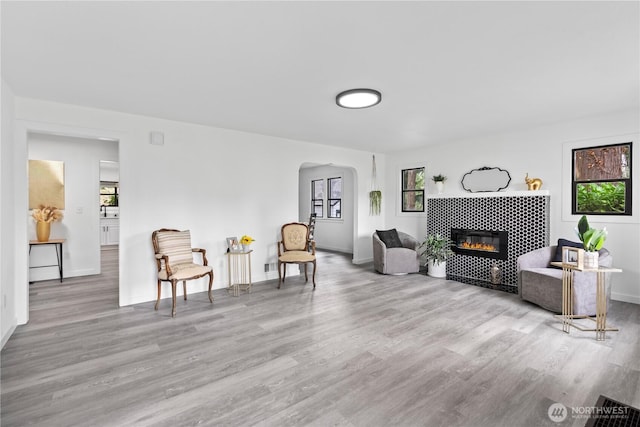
(436, 249)
(592, 240)
(439, 180)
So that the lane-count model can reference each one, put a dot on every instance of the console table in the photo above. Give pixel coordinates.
(57, 243)
(567, 315)
(239, 271)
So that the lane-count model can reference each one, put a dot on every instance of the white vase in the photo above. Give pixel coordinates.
(591, 260)
(437, 269)
(440, 186)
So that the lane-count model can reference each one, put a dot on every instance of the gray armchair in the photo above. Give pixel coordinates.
(542, 285)
(403, 258)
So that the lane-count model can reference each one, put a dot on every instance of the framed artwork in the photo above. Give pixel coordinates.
(46, 184)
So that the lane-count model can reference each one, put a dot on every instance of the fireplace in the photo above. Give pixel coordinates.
(480, 243)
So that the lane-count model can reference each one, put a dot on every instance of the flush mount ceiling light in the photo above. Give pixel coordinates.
(358, 98)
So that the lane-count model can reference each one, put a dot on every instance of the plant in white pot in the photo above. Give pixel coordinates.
(592, 240)
(436, 249)
(439, 180)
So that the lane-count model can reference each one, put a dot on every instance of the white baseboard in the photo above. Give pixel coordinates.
(362, 260)
(5, 337)
(51, 273)
(633, 299)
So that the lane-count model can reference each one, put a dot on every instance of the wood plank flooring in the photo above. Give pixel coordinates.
(361, 350)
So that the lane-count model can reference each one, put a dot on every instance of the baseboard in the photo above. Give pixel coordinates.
(633, 299)
(5, 337)
(362, 260)
(51, 273)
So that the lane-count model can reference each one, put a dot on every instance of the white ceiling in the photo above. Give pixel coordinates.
(447, 70)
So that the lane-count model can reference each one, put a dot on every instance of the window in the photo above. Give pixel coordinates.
(108, 193)
(335, 198)
(413, 190)
(317, 197)
(601, 181)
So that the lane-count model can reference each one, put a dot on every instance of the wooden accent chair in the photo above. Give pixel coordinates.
(296, 248)
(174, 258)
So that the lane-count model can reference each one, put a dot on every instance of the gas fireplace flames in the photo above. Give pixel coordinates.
(478, 247)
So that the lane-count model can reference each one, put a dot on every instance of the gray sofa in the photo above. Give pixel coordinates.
(396, 260)
(542, 285)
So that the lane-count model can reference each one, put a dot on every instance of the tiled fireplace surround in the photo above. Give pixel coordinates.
(523, 214)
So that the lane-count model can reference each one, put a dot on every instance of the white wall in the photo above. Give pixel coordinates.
(330, 233)
(539, 152)
(8, 318)
(215, 182)
(80, 225)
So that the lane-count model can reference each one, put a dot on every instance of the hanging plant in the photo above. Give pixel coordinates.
(375, 195)
(375, 199)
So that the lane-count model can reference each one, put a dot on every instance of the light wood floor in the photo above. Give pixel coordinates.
(362, 350)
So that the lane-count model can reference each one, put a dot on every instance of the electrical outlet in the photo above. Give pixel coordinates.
(266, 268)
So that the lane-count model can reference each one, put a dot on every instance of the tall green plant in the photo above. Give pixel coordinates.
(592, 239)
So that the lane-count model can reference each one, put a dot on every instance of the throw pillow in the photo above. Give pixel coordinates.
(557, 257)
(390, 238)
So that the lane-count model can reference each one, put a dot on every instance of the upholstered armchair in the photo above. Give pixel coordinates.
(296, 247)
(542, 285)
(395, 252)
(175, 262)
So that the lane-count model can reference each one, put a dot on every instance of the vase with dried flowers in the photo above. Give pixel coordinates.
(44, 216)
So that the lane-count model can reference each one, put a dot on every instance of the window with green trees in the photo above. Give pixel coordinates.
(108, 193)
(601, 181)
(413, 190)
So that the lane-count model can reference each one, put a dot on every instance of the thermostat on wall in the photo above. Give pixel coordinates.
(157, 138)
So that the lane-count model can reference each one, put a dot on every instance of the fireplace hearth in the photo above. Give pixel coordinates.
(480, 243)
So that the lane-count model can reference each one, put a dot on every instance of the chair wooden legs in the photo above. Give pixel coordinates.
(210, 285)
(159, 290)
(282, 274)
(314, 274)
(173, 297)
(174, 284)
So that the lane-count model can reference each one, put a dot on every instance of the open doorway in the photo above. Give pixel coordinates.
(109, 194)
(329, 191)
(80, 228)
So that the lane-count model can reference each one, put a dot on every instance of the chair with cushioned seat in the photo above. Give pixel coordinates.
(395, 252)
(174, 259)
(296, 247)
(541, 283)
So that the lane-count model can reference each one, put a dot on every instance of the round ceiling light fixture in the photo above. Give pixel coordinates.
(358, 98)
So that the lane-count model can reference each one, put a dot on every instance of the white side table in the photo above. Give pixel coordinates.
(567, 315)
(239, 272)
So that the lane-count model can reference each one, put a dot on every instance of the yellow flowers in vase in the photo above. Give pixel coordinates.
(44, 216)
(245, 241)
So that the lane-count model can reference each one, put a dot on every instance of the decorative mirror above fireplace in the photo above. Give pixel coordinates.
(486, 179)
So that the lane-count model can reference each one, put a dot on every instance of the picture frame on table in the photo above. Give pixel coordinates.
(573, 256)
(233, 244)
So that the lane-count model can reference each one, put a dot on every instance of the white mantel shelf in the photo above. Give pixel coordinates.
(459, 195)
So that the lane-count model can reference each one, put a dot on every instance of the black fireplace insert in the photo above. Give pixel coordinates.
(480, 243)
